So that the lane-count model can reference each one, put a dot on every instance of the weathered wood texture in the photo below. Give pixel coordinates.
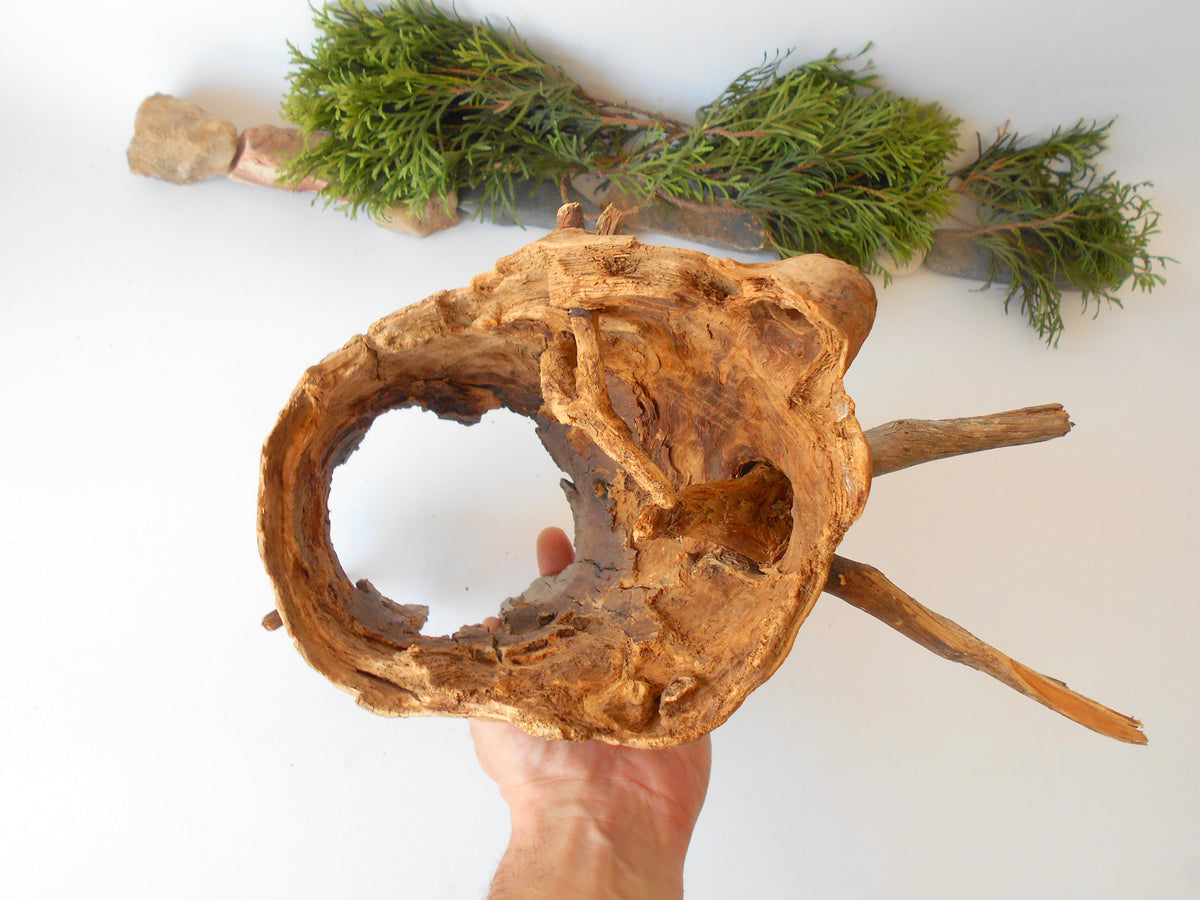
(868, 589)
(910, 442)
(714, 464)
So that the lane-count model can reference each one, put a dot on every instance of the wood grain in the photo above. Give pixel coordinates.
(713, 460)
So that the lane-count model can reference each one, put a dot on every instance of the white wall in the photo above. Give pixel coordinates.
(154, 742)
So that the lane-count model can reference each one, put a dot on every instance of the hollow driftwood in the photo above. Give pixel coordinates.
(714, 463)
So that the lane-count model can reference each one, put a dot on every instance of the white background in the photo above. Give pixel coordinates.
(155, 742)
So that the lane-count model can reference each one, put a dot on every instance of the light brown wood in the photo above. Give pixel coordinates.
(714, 464)
(868, 589)
(910, 442)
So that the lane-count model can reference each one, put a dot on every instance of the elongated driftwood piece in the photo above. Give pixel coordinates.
(868, 589)
(910, 442)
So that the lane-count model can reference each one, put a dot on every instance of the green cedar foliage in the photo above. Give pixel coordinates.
(1050, 221)
(412, 104)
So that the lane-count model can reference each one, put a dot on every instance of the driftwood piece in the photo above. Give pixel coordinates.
(910, 442)
(690, 400)
(715, 463)
(868, 589)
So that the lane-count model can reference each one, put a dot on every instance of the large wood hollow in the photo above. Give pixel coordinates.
(713, 463)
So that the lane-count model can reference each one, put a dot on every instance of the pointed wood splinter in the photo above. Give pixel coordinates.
(610, 221)
(868, 589)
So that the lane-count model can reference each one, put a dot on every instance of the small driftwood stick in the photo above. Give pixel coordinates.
(910, 442)
(868, 589)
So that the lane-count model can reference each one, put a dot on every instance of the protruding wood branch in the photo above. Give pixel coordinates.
(868, 589)
(610, 221)
(747, 514)
(910, 442)
(570, 215)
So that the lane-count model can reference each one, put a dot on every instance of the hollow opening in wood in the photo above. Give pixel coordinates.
(438, 513)
(654, 396)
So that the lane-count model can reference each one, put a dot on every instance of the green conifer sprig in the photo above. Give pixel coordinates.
(413, 104)
(1050, 221)
(832, 162)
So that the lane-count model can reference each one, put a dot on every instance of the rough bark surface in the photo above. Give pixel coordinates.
(714, 463)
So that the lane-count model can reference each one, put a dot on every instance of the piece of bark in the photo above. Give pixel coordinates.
(910, 442)
(179, 142)
(868, 589)
(956, 252)
(720, 223)
(658, 378)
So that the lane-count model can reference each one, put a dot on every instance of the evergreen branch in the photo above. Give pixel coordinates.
(417, 104)
(412, 104)
(1049, 219)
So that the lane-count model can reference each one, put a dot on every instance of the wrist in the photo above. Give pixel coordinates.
(588, 841)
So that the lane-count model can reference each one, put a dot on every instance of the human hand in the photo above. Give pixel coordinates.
(591, 819)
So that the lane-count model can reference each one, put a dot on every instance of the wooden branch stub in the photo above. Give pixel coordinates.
(570, 215)
(697, 408)
(610, 221)
(910, 442)
(868, 589)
